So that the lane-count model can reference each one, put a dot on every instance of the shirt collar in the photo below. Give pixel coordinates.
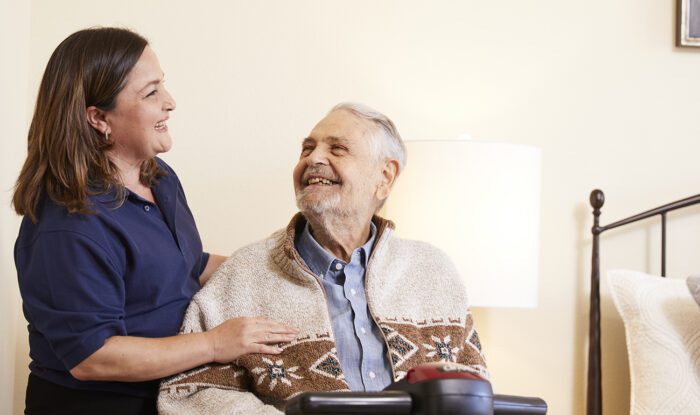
(319, 260)
(161, 191)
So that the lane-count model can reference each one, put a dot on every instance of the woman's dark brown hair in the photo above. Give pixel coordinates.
(67, 158)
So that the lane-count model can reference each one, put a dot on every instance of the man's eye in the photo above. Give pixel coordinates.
(151, 93)
(338, 149)
(306, 150)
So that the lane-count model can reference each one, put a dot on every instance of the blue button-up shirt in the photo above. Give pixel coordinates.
(360, 345)
(126, 270)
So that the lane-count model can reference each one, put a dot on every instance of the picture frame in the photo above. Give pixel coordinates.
(688, 24)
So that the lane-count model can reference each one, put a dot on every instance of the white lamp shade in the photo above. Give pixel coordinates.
(480, 203)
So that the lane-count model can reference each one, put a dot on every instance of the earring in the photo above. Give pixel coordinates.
(106, 135)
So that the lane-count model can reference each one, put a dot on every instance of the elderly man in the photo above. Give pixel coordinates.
(369, 306)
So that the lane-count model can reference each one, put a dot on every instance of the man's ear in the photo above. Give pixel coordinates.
(389, 172)
(96, 118)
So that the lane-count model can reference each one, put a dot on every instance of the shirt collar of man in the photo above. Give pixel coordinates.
(320, 260)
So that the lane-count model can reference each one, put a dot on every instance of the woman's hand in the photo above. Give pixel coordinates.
(239, 336)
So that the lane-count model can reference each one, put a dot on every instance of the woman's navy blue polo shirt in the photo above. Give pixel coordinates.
(129, 270)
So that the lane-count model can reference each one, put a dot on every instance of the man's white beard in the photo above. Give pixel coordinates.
(324, 206)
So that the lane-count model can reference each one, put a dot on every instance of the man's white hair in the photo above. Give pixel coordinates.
(386, 142)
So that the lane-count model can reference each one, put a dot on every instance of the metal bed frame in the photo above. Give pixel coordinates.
(594, 397)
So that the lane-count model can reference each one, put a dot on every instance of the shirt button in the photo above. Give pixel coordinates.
(352, 291)
(338, 266)
(362, 330)
(320, 276)
(146, 208)
(372, 375)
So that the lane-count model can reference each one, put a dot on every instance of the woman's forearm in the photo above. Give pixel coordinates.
(134, 359)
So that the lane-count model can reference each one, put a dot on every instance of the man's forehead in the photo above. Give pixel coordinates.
(340, 125)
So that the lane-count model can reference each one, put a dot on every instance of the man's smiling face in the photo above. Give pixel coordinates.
(336, 170)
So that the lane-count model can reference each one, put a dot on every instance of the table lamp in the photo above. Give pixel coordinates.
(480, 203)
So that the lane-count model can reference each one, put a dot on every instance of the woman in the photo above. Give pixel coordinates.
(108, 255)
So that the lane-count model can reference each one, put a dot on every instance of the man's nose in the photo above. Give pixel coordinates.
(318, 156)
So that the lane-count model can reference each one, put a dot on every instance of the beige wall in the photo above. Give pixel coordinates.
(14, 110)
(597, 85)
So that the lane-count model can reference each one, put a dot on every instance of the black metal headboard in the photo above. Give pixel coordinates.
(594, 399)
